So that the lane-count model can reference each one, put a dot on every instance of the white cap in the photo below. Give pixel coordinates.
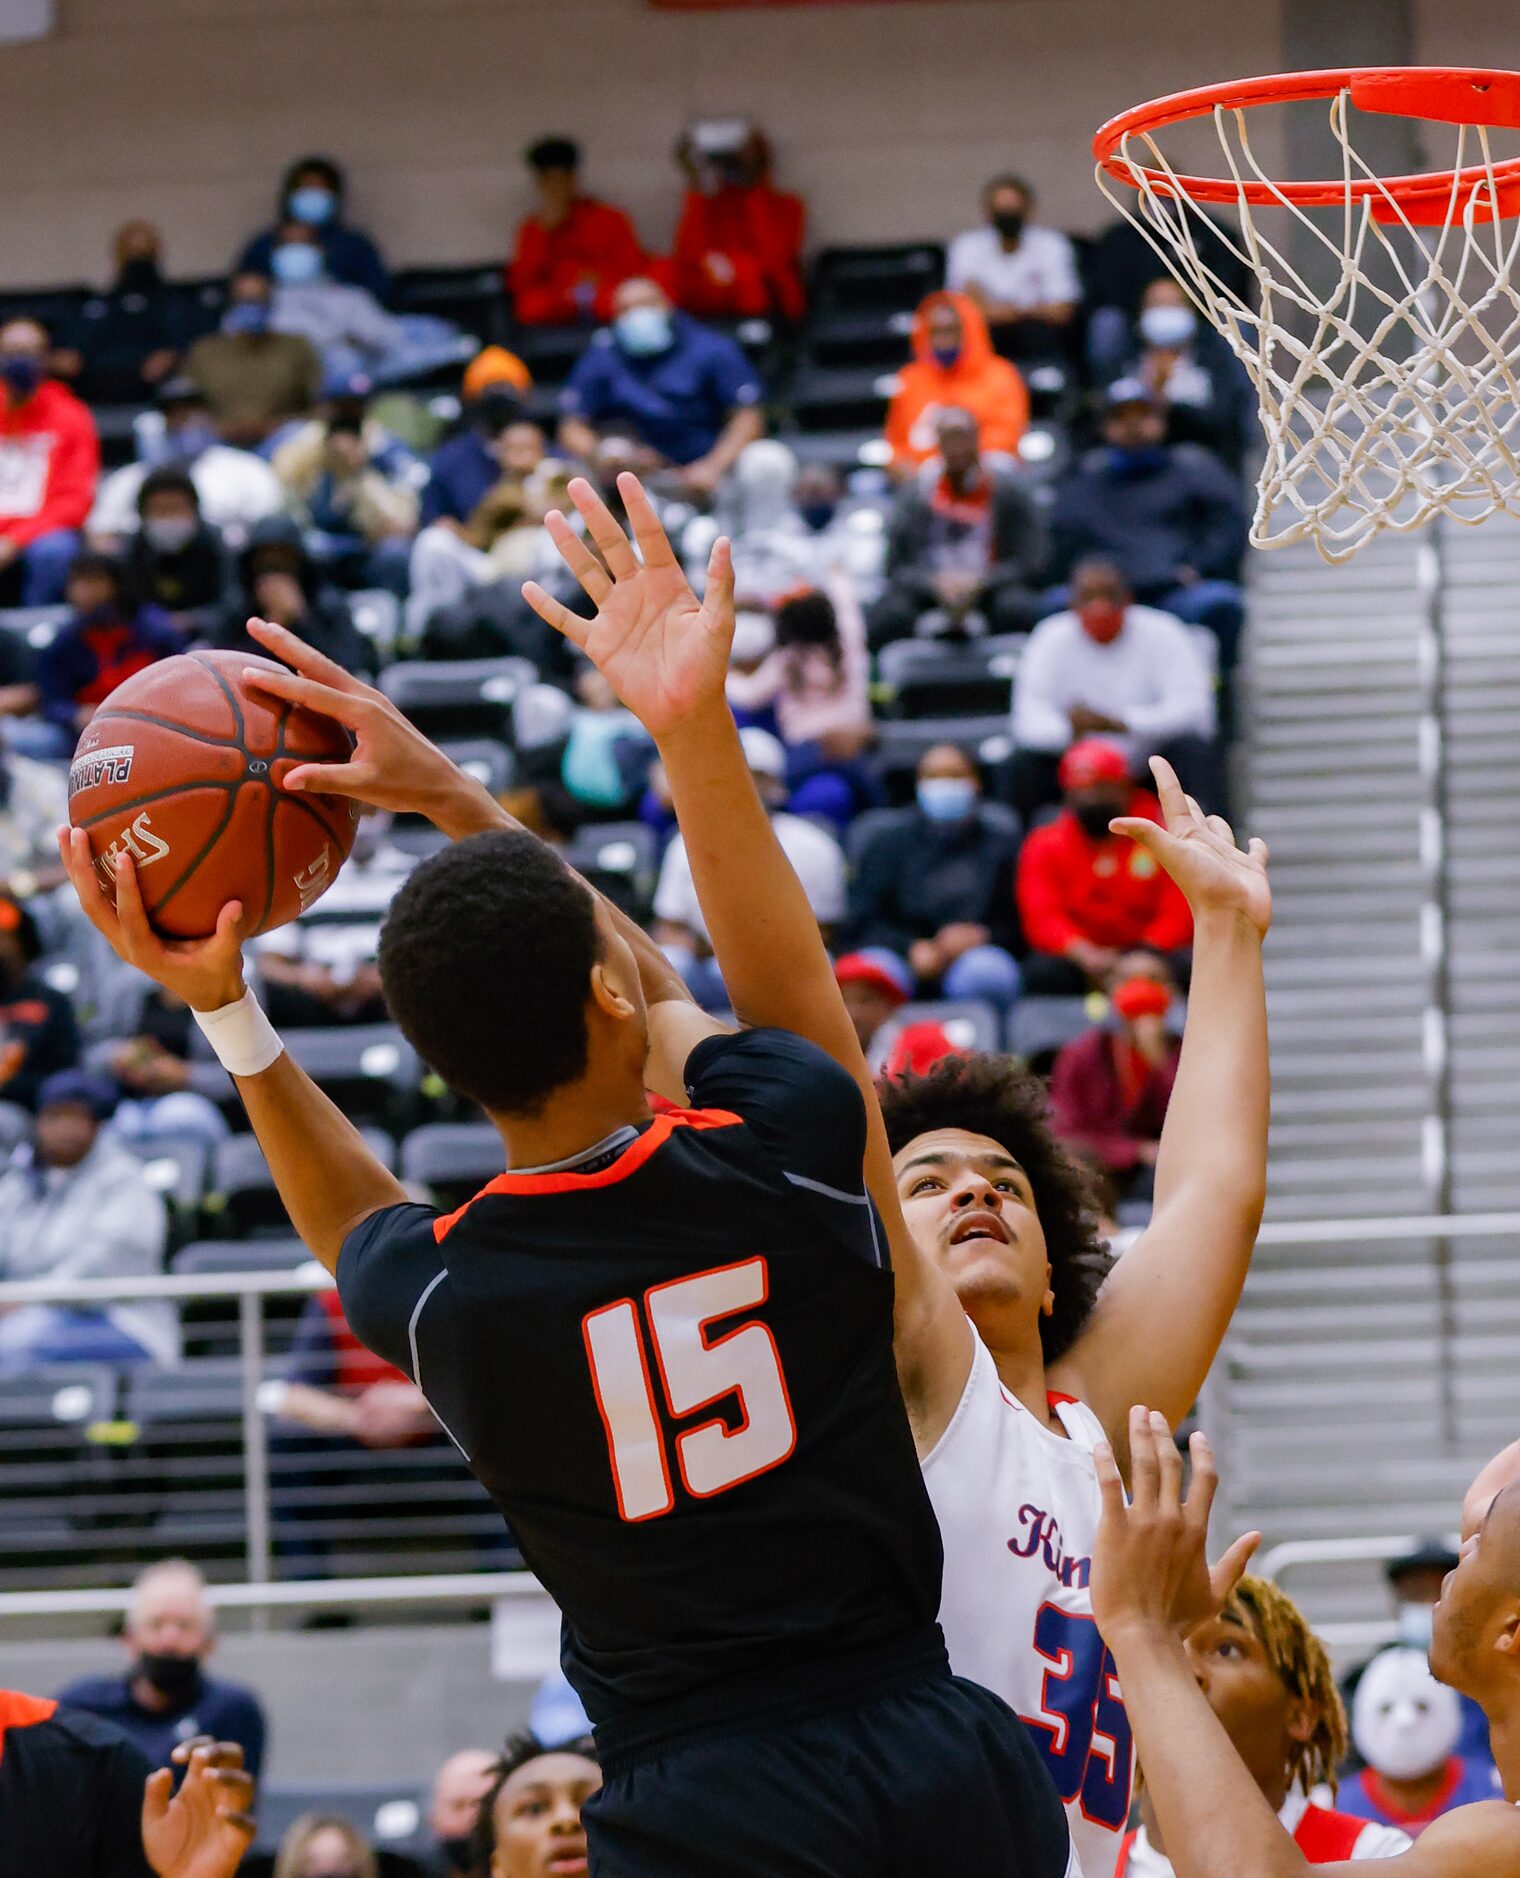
(763, 752)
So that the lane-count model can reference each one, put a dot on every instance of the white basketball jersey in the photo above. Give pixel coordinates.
(1018, 1509)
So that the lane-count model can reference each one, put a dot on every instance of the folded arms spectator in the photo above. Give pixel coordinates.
(253, 378)
(313, 192)
(738, 245)
(953, 365)
(573, 251)
(1023, 277)
(49, 464)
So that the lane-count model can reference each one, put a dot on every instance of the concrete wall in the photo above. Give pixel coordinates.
(887, 117)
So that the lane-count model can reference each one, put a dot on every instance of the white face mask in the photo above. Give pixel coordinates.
(1168, 326)
(1404, 1722)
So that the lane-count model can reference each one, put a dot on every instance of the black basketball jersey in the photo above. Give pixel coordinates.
(671, 1366)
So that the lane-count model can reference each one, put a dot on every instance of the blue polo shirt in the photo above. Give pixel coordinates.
(676, 402)
(214, 1708)
(461, 472)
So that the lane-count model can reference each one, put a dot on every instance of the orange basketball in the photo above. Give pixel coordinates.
(181, 767)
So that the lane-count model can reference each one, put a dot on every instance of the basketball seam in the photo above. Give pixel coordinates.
(269, 882)
(129, 714)
(211, 840)
(311, 809)
(158, 795)
(241, 735)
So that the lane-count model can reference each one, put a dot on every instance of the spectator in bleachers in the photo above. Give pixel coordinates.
(1191, 373)
(1023, 277)
(790, 526)
(165, 1696)
(22, 732)
(34, 803)
(278, 582)
(814, 855)
(152, 1071)
(875, 984)
(1109, 668)
(468, 465)
(574, 250)
(324, 1845)
(453, 1812)
(1170, 515)
(254, 379)
(1415, 1579)
(313, 192)
(129, 339)
(176, 560)
(236, 489)
(106, 639)
(1407, 1728)
(354, 489)
(1109, 1089)
(49, 464)
(738, 244)
(966, 547)
(530, 1820)
(1121, 264)
(953, 365)
(657, 391)
(333, 1386)
(934, 884)
(1085, 896)
(39, 1035)
(80, 1207)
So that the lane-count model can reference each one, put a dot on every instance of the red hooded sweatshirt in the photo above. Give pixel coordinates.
(1110, 892)
(738, 254)
(593, 246)
(49, 463)
(979, 382)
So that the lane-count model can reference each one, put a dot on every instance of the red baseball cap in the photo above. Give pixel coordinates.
(877, 968)
(918, 1047)
(1093, 760)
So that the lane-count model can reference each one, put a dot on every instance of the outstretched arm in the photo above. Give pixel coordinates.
(665, 654)
(1163, 1312)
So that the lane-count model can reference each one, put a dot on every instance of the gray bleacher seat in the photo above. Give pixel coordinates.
(370, 1070)
(457, 698)
(626, 850)
(902, 741)
(883, 277)
(969, 1023)
(202, 1393)
(454, 1159)
(938, 677)
(387, 1815)
(176, 1167)
(204, 1257)
(35, 626)
(377, 614)
(1038, 1027)
(243, 1192)
(64, 1395)
(487, 761)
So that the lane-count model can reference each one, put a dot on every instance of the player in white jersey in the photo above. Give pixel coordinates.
(1006, 1419)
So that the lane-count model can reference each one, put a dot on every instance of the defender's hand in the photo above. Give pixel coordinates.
(203, 1830)
(663, 652)
(1200, 854)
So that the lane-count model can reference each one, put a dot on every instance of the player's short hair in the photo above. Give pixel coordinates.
(1002, 1098)
(1302, 1665)
(486, 957)
(517, 1751)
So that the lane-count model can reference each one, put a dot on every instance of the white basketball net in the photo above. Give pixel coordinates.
(1386, 396)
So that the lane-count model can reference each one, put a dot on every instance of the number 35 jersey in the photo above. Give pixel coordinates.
(670, 1364)
(1018, 1510)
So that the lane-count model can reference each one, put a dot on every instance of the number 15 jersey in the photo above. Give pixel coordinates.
(670, 1364)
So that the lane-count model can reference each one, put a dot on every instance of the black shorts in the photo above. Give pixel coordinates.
(936, 1776)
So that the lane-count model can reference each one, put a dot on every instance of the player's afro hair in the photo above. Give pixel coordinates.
(1002, 1098)
(486, 958)
(516, 1752)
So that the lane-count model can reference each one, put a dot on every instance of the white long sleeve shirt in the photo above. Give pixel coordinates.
(1152, 677)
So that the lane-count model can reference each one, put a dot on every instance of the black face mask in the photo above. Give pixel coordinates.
(139, 275)
(171, 1676)
(1095, 817)
(459, 1852)
(1009, 224)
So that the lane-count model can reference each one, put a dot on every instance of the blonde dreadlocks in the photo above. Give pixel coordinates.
(1303, 1667)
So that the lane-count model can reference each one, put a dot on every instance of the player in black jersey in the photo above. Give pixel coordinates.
(665, 1345)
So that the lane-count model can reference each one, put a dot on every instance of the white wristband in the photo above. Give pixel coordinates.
(242, 1037)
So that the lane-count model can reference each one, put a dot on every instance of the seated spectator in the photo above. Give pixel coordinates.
(814, 855)
(875, 985)
(966, 545)
(1415, 1580)
(738, 244)
(1087, 897)
(107, 638)
(655, 391)
(1109, 1090)
(954, 365)
(49, 464)
(324, 1845)
(573, 251)
(1170, 515)
(530, 1819)
(815, 684)
(152, 1070)
(127, 340)
(39, 1036)
(278, 582)
(354, 489)
(347, 325)
(1192, 374)
(1121, 263)
(468, 465)
(1110, 668)
(790, 526)
(1406, 1727)
(34, 804)
(934, 885)
(165, 1696)
(1023, 277)
(334, 1386)
(253, 378)
(236, 490)
(313, 192)
(175, 559)
(453, 1811)
(80, 1207)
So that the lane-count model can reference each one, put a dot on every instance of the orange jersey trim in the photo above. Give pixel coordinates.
(628, 1162)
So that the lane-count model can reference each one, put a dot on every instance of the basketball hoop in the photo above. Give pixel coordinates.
(1391, 393)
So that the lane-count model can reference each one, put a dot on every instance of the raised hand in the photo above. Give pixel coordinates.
(203, 1830)
(663, 651)
(1200, 854)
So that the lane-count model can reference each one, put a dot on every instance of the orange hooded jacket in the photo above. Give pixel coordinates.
(979, 382)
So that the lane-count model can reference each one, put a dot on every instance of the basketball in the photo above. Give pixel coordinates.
(181, 768)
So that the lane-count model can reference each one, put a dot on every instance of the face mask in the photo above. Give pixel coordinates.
(1010, 224)
(1417, 1624)
(170, 1675)
(945, 355)
(1140, 997)
(459, 1853)
(946, 798)
(248, 316)
(1129, 463)
(1404, 1723)
(22, 375)
(295, 263)
(1102, 621)
(1094, 818)
(170, 533)
(817, 515)
(1170, 327)
(643, 331)
(313, 205)
(139, 275)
